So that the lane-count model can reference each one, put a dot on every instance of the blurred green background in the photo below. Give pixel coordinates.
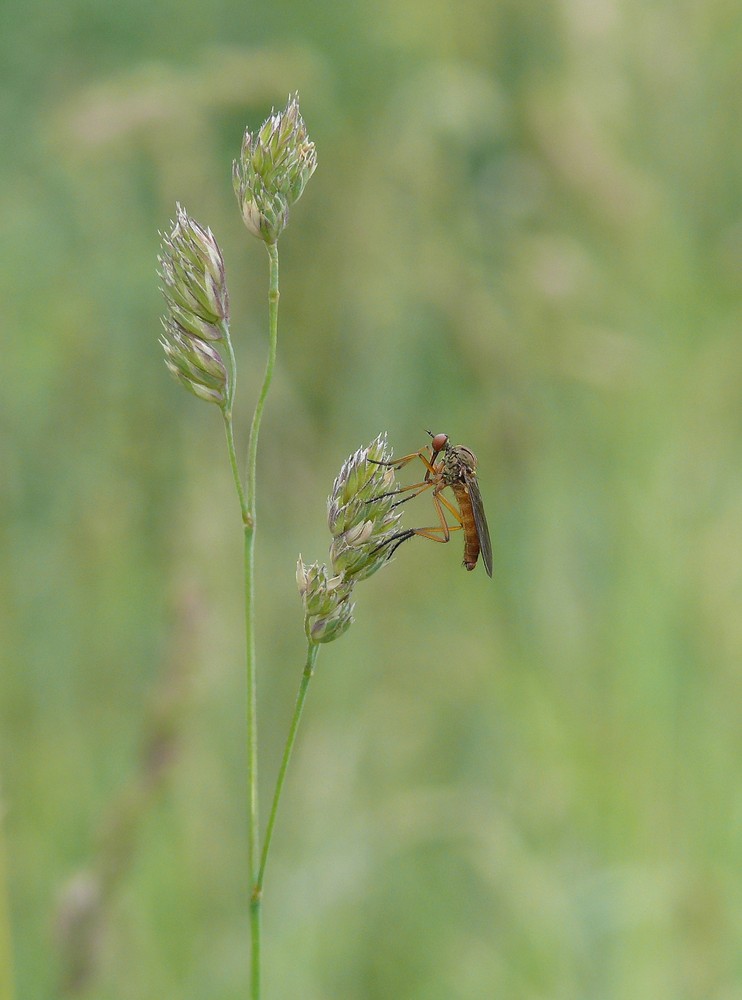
(525, 230)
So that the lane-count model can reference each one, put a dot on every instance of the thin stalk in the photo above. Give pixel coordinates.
(252, 445)
(312, 650)
(228, 427)
(252, 760)
(252, 712)
(227, 414)
(6, 963)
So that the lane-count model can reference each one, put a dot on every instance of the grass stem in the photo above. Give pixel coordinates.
(312, 650)
(6, 963)
(249, 518)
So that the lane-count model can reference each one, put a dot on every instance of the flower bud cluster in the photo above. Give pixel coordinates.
(273, 168)
(328, 610)
(195, 290)
(361, 515)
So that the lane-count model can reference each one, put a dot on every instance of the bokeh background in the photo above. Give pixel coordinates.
(525, 230)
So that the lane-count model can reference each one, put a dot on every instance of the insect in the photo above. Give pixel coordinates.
(457, 470)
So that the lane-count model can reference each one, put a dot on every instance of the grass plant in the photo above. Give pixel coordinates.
(270, 174)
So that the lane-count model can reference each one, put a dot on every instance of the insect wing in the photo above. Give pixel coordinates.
(480, 520)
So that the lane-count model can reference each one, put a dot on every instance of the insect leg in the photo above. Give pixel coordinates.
(439, 498)
(399, 463)
(418, 488)
(442, 529)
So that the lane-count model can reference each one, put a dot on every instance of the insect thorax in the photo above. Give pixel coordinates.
(458, 464)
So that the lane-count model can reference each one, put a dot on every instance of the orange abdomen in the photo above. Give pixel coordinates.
(471, 538)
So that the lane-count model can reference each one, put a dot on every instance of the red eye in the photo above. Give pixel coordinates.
(439, 442)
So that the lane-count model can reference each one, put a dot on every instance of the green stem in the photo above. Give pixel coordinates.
(227, 414)
(312, 650)
(252, 445)
(252, 759)
(249, 507)
(6, 963)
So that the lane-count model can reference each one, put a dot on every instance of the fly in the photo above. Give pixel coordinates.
(456, 470)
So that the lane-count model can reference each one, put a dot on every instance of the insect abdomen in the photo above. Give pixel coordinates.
(471, 538)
